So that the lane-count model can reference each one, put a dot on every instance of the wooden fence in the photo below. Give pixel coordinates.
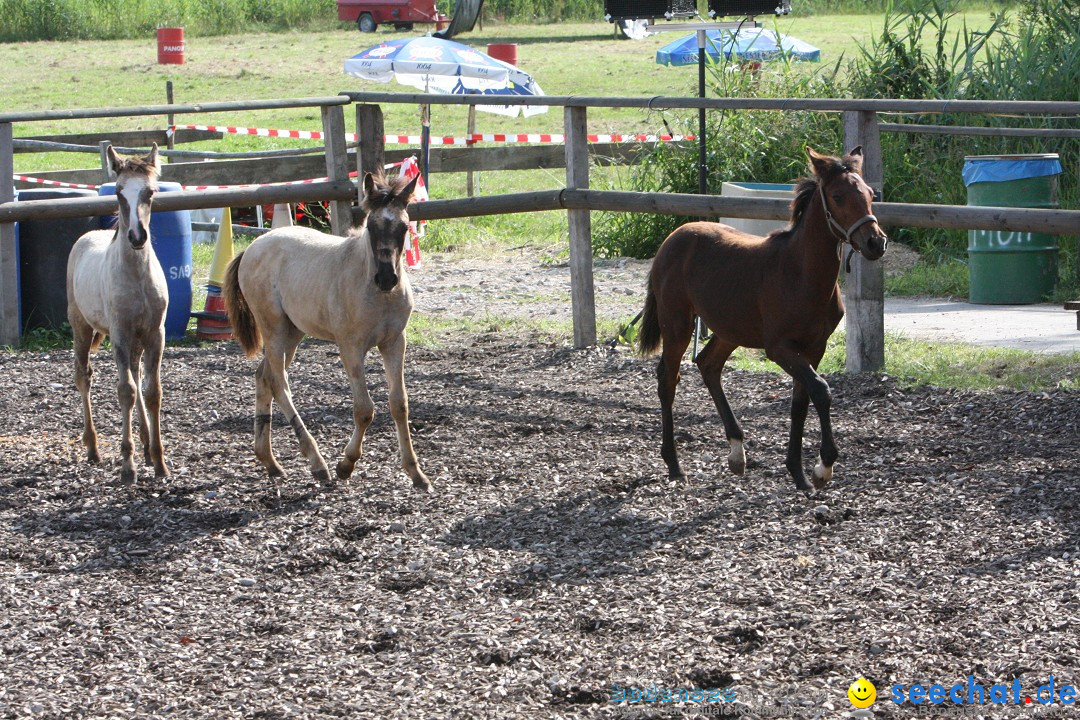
(864, 288)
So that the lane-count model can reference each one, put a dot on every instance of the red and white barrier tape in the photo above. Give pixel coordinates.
(534, 138)
(56, 183)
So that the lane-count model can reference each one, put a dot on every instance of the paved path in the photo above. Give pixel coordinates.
(1038, 328)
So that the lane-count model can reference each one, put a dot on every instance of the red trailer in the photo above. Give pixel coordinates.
(402, 14)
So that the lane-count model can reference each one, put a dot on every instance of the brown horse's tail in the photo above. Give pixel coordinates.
(244, 328)
(649, 335)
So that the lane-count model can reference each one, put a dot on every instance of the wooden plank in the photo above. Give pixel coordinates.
(144, 110)
(758, 103)
(179, 200)
(218, 172)
(969, 130)
(124, 138)
(337, 166)
(864, 288)
(10, 322)
(484, 205)
(582, 299)
(526, 157)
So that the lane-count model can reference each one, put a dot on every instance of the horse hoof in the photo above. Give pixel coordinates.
(807, 488)
(127, 476)
(322, 476)
(162, 472)
(421, 483)
(275, 471)
(737, 457)
(93, 456)
(822, 475)
(344, 470)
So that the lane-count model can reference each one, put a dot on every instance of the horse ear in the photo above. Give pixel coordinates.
(857, 150)
(819, 163)
(114, 162)
(152, 158)
(406, 193)
(369, 185)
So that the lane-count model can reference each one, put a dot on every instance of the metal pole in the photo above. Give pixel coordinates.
(702, 165)
(170, 118)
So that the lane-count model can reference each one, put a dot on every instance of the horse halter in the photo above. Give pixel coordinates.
(838, 231)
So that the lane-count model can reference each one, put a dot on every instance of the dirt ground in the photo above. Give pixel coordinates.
(555, 567)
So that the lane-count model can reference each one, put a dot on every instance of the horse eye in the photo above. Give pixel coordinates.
(838, 199)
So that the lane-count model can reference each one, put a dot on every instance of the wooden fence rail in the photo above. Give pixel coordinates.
(864, 289)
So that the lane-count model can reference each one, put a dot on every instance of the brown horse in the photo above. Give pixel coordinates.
(295, 281)
(779, 293)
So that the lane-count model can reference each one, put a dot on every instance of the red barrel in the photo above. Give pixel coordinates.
(170, 46)
(507, 52)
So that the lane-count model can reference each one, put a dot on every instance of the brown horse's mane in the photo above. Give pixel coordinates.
(806, 188)
(386, 191)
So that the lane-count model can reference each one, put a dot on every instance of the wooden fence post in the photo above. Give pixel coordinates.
(371, 143)
(10, 323)
(337, 165)
(582, 301)
(864, 288)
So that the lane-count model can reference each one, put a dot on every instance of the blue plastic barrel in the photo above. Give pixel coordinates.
(170, 235)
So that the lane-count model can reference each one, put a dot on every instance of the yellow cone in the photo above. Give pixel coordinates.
(282, 216)
(223, 250)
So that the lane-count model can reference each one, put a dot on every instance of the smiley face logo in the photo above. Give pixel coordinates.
(862, 693)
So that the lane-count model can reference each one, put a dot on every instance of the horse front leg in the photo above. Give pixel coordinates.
(393, 355)
(155, 450)
(84, 338)
(808, 384)
(140, 406)
(711, 364)
(278, 356)
(125, 392)
(363, 410)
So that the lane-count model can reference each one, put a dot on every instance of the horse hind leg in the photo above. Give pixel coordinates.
(711, 363)
(676, 340)
(264, 406)
(85, 339)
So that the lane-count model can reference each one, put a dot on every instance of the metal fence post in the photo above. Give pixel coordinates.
(582, 300)
(337, 165)
(864, 288)
(10, 323)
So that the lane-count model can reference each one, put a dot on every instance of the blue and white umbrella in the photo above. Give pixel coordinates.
(748, 44)
(435, 65)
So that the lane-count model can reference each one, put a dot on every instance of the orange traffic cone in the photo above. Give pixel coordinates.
(213, 322)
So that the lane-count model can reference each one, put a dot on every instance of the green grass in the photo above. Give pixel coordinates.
(948, 278)
(912, 362)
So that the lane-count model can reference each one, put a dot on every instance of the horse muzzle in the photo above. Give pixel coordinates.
(873, 247)
(386, 278)
(137, 237)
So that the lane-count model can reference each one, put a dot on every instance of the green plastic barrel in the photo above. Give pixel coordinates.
(1011, 268)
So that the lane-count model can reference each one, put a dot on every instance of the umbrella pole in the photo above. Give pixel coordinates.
(699, 328)
(702, 168)
(425, 139)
